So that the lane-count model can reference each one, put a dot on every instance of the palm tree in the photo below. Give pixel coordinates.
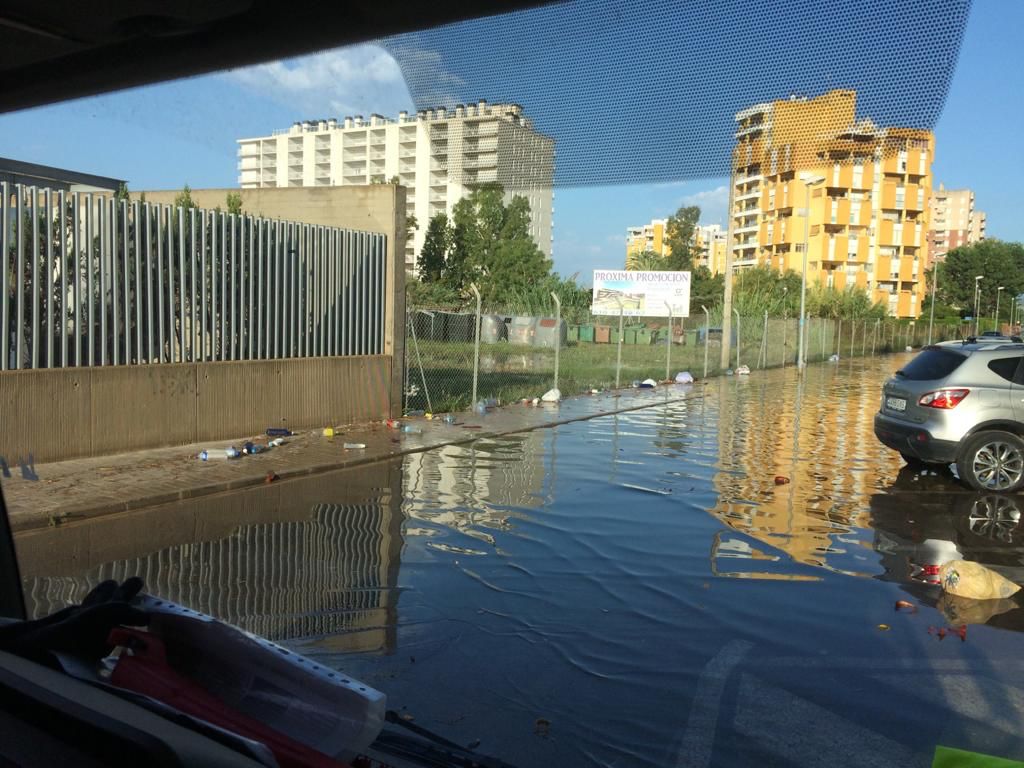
(645, 261)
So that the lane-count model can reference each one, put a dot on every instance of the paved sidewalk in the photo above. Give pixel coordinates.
(70, 490)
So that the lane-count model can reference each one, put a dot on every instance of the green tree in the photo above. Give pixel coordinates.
(490, 244)
(184, 198)
(646, 261)
(1000, 263)
(411, 225)
(705, 289)
(515, 262)
(122, 194)
(679, 238)
(434, 253)
(234, 202)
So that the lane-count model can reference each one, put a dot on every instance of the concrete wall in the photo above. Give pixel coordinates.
(67, 413)
(370, 208)
(234, 555)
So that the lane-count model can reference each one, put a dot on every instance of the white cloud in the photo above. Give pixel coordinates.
(435, 86)
(712, 203)
(357, 79)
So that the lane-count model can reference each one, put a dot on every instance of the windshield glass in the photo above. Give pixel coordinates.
(526, 371)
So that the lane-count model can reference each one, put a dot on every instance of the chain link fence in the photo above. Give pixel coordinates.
(523, 356)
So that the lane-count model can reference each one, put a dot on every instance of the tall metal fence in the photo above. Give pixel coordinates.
(91, 280)
(522, 356)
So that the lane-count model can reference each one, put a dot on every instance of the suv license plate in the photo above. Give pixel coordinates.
(896, 403)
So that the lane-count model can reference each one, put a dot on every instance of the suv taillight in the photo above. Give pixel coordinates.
(943, 398)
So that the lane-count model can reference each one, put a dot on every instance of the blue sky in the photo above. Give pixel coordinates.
(164, 136)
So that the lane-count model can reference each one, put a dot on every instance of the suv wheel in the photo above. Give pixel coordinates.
(992, 461)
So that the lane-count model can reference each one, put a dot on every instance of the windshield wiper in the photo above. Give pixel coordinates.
(900, 372)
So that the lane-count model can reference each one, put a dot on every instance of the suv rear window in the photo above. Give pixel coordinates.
(931, 364)
(1005, 367)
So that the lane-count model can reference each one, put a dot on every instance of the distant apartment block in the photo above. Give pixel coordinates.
(439, 155)
(869, 192)
(711, 244)
(954, 221)
(649, 237)
(708, 240)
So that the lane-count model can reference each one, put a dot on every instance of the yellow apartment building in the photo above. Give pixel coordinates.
(869, 193)
(649, 237)
(708, 239)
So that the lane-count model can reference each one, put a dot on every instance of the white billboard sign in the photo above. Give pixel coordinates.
(643, 294)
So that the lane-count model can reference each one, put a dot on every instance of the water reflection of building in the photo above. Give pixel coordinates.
(820, 439)
(279, 561)
(477, 486)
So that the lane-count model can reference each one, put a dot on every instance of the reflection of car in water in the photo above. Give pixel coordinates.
(916, 533)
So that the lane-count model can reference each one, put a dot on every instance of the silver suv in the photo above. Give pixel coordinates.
(960, 402)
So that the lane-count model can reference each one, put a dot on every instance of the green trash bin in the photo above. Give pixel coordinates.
(587, 333)
(644, 336)
(613, 335)
(629, 336)
(572, 333)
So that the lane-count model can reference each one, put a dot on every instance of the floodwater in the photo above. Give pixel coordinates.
(632, 590)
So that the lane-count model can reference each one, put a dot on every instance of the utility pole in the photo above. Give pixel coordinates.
(727, 298)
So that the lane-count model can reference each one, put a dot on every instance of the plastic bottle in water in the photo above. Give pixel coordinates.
(277, 443)
(213, 455)
(409, 429)
(448, 418)
(492, 402)
(480, 407)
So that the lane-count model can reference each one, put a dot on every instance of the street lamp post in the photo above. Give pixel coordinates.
(999, 292)
(809, 181)
(977, 300)
(931, 311)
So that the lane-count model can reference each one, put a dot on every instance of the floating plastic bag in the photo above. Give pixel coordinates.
(964, 578)
(552, 396)
(962, 610)
(648, 384)
(743, 370)
(684, 377)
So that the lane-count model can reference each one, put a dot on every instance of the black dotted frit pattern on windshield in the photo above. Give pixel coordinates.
(647, 91)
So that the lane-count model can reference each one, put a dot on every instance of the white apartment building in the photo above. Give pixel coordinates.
(437, 154)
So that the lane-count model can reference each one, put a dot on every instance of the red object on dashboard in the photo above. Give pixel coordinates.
(145, 670)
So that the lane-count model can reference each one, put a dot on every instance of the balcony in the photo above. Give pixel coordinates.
(749, 178)
(480, 129)
(747, 229)
(748, 195)
(437, 197)
(248, 150)
(480, 146)
(480, 162)
(752, 129)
